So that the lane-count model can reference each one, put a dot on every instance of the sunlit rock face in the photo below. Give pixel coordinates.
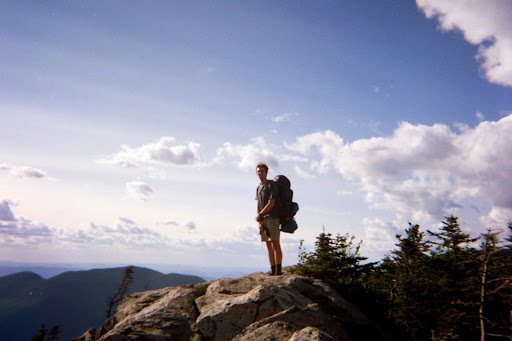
(252, 307)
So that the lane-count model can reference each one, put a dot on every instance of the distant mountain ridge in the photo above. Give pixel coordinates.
(75, 300)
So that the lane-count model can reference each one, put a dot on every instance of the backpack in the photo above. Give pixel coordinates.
(286, 208)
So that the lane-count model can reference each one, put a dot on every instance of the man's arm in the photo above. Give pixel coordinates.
(265, 210)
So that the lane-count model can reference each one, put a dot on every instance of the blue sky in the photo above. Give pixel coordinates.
(130, 129)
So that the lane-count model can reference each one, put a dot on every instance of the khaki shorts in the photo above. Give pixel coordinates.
(273, 226)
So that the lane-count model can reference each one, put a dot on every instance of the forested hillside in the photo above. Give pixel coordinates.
(74, 300)
(444, 285)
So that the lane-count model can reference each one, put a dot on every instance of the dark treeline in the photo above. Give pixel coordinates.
(438, 286)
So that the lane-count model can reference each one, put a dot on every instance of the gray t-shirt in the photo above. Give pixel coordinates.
(266, 192)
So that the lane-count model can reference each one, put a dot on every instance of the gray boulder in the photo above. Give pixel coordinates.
(249, 308)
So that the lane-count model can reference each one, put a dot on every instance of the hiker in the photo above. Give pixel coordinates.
(268, 218)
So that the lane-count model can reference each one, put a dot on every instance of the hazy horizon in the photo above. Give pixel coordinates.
(54, 269)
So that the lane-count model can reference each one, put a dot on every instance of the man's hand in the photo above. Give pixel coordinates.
(264, 229)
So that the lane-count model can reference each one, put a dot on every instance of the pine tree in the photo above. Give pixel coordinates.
(453, 240)
(456, 266)
(118, 296)
(415, 293)
(335, 260)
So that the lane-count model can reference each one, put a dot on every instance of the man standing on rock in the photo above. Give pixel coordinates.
(267, 218)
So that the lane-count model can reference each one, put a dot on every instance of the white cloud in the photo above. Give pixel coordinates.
(326, 143)
(171, 223)
(496, 217)
(285, 117)
(421, 172)
(139, 190)
(126, 221)
(379, 236)
(6, 212)
(14, 230)
(248, 156)
(345, 193)
(484, 23)
(164, 151)
(23, 171)
(186, 226)
(125, 239)
(190, 225)
(302, 173)
(124, 233)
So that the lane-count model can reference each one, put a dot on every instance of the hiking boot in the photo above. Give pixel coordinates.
(272, 271)
(278, 271)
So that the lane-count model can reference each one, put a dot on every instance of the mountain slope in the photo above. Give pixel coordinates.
(76, 300)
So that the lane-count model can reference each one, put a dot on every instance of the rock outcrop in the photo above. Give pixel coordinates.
(252, 307)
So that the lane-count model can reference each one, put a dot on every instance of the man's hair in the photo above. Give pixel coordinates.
(262, 165)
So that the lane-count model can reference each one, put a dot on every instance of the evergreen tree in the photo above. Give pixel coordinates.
(335, 260)
(118, 296)
(452, 239)
(416, 290)
(456, 266)
(412, 250)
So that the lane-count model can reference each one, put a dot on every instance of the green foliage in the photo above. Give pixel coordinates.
(201, 288)
(335, 260)
(451, 238)
(76, 299)
(443, 288)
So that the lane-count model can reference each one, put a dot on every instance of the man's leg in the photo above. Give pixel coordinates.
(271, 253)
(278, 256)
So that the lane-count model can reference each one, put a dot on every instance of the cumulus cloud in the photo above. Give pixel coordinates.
(487, 24)
(380, 236)
(163, 152)
(247, 156)
(421, 172)
(125, 233)
(23, 171)
(302, 173)
(6, 212)
(139, 190)
(15, 230)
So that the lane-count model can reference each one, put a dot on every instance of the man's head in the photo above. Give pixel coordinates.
(261, 171)
(262, 165)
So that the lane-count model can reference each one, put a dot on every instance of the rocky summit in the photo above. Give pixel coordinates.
(252, 307)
